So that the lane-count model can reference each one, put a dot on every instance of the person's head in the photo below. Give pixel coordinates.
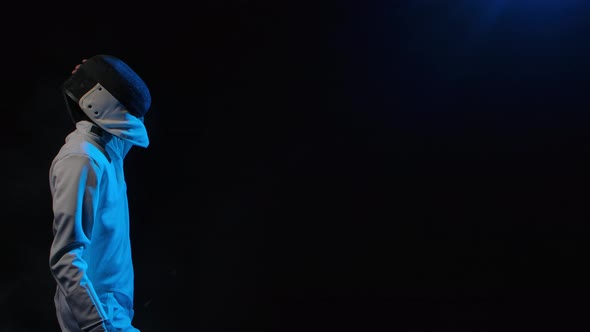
(105, 90)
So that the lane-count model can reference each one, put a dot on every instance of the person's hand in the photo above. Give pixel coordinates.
(78, 66)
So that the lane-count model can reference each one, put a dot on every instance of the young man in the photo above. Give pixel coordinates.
(90, 256)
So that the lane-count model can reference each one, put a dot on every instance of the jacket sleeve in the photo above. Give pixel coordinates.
(74, 184)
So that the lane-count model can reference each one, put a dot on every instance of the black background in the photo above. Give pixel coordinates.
(369, 165)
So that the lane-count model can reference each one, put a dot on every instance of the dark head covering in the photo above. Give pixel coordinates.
(115, 76)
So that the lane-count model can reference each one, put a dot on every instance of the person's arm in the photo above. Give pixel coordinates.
(74, 182)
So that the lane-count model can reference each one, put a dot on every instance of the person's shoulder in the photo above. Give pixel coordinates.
(79, 151)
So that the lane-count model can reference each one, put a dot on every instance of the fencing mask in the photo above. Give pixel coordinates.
(111, 94)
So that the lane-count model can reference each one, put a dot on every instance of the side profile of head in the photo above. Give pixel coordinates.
(107, 91)
(115, 76)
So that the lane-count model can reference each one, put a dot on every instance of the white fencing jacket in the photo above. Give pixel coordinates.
(90, 255)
